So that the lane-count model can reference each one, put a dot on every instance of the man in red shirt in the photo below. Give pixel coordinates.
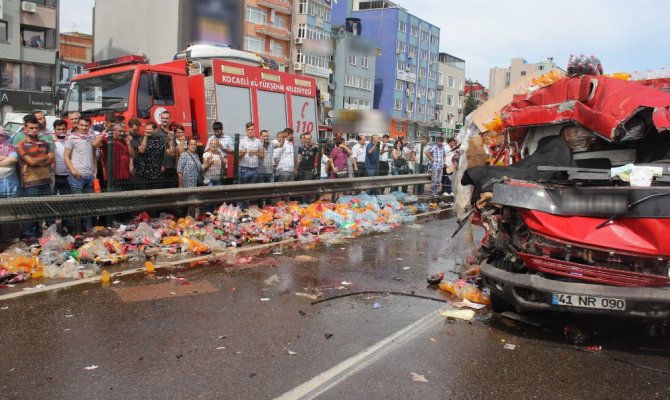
(123, 151)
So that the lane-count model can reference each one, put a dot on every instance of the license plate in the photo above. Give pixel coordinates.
(578, 300)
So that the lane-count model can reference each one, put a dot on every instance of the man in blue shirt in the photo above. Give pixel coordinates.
(372, 156)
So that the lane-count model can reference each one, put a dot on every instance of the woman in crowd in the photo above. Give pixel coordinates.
(213, 163)
(338, 163)
(9, 178)
(338, 160)
(189, 166)
(400, 162)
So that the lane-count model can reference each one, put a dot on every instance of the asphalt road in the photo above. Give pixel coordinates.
(224, 331)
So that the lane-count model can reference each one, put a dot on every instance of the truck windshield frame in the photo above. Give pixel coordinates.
(100, 93)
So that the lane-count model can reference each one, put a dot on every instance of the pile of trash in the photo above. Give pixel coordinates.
(57, 256)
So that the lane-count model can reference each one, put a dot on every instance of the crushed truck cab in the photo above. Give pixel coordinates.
(581, 223)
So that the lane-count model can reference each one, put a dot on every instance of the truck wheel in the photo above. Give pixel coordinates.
(499, 305)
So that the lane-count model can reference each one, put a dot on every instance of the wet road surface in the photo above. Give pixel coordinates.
(237, 329)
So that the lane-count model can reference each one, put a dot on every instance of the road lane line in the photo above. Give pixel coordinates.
(328, 379)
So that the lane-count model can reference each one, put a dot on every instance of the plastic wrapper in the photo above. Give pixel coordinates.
(52, 240)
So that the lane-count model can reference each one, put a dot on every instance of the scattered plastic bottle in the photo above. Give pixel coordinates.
(105, 277)
(464, 290)
(149, 266)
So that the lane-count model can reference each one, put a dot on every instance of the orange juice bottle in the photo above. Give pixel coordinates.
(105, 277)
(149, 266)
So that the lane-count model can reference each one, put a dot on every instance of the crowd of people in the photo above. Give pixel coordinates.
(73, 157)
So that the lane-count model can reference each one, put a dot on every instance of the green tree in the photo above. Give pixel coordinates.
(471, 104)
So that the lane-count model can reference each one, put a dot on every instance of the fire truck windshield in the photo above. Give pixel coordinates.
(100, 93)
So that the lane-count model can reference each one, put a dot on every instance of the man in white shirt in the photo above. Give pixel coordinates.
(61, 186)
(285, 156)
(384, 151)
(358, 156)
(249, 151)
(225, 141)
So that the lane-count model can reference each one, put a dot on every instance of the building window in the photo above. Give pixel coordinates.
(279, 21)
(398, 84)
(402, 26)
(431, 111)
(460, 84)
(451, 81)
(256, 44)
(256, 15)
(412, 51)
(397, 104)
(434, 39)
(523, 73)
(420, 109)
(424, 36)
(276, 49)
(302, 31)
(412, 68)
(10, 74)
(410, 88)
(432, 75)
(414, 31)
(400, 65)
(399, 47)
(433, 57)
(364, 62)
(422, 72)
(441, 79)
(3, 31)
(423, 54)
(302, 7)
(46, 3)
(410, 106)
(34, 77)
(431, 94)
(450, 100)
(352, 60)
(398, 126)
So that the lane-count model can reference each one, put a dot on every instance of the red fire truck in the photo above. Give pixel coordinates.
(196, 93)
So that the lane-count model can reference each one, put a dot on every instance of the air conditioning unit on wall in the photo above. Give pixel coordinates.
(298, 40)
(297, 66)
(28, 7)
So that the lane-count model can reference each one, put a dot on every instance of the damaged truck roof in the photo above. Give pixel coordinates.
(598, 103)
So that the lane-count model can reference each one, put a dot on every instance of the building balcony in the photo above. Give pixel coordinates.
(274, 32)
(38, 55)
(439, 106)
(277, 5)
(440, 87)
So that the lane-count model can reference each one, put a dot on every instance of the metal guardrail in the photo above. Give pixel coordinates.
(24, 209)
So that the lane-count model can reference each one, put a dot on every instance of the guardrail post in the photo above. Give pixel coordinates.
(236, 158)
(110, 159)
(318, 168)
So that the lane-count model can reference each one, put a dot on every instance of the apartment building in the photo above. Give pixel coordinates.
(451, 93)
(28, 44)
(501, 78)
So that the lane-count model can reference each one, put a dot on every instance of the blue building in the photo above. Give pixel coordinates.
(406, 73)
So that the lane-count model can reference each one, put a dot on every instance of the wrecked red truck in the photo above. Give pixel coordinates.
(582, 222)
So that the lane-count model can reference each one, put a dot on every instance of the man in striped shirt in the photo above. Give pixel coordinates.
(435, 154)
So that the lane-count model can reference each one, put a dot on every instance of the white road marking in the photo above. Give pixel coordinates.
(328, 379)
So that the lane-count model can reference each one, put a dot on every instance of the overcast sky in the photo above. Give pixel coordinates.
(626, 36)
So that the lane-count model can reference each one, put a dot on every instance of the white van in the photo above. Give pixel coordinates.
(14, 122)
